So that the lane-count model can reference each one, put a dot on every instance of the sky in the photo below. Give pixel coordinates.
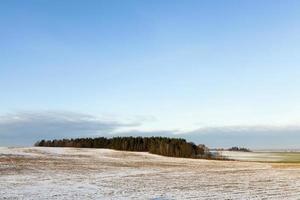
(217, 72)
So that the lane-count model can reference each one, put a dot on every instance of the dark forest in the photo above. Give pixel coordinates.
(173, 147)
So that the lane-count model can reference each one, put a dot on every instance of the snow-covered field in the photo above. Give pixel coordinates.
(70, 173)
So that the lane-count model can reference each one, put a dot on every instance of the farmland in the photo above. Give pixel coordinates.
(75, 173)
(263, 156)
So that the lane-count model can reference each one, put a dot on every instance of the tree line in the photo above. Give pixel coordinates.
(243, 149)
(173, 147)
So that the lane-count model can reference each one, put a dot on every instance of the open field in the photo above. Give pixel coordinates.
(70, 173)
(263, 156)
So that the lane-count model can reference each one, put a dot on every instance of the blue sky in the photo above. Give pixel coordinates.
(161, 66)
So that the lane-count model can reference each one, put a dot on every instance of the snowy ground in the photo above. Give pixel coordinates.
(69, 173)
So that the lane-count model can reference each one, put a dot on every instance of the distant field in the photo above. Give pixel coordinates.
(74, 173)
(263, 156)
